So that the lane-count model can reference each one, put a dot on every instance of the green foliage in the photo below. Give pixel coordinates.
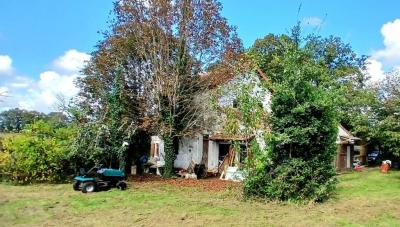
(248, 118)
(373, 115)
(385, 117)
(301, 147)
(293, 180)
(116, 112)
(303, 116)
(101, 138)
(38, 154)
(388, 133)
(15, 120)
(90, 147)
(344, 68)
(169, 157)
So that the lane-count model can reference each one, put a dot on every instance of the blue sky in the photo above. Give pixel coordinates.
(43, 43)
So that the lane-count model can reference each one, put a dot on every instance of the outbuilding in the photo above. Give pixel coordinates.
(349, 149)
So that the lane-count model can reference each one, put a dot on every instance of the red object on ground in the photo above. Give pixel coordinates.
(385, 168)
(358, 168)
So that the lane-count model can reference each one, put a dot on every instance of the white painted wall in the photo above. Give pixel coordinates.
(213, 153)
(348, 160)
(230, 91)
(190, 149)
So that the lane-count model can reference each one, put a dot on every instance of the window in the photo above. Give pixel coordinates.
(234, 103)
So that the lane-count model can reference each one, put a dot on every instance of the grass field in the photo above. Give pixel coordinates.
(362, 199)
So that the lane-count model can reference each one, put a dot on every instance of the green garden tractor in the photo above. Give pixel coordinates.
(98, 179)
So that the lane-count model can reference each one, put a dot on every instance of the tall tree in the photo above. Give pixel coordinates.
(385, 117)
(108, 127)
(164, 47)
(116, 111)
(307, 79)
(345, 68)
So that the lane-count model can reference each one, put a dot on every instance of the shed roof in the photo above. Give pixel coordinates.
(346, 136)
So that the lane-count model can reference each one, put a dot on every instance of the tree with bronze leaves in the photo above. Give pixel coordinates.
(164, 48)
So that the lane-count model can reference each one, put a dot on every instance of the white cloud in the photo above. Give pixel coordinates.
(20, 82)
(72, 61)
(3, 90)
(5, 64)
(387, 58)
(312, 21)
(390, 54)
(41, 94)
(52, 83)
(19, 85)
(375, 70)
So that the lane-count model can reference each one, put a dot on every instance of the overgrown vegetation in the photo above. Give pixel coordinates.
(385, 116)
(308, 79)
(162, 49)
(38, 154)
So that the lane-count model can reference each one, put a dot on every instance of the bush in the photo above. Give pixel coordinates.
(303, 127)
(36, 155)
(4, 165)
(293, 180)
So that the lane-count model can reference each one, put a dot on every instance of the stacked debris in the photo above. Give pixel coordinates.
(228, 170)
(194, 171)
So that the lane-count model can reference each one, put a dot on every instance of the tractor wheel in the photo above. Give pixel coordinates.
(121, 185)
(89, 187)
(75, 185)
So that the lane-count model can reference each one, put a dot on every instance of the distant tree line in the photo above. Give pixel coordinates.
(14, 120)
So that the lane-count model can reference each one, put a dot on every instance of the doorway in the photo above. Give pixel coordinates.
(223, 151)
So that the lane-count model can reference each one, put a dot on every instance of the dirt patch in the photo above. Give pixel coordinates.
(208, 184)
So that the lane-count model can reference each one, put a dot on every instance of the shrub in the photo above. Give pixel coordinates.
(4, 165)
(36, 155)
(303, 128)
(293, 180)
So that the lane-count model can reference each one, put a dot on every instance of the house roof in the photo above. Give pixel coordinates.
(215, 80)
(220, 77)
(345, 135)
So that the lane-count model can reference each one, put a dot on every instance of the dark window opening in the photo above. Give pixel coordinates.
(235, 103)
(243, 154)
(223, 151)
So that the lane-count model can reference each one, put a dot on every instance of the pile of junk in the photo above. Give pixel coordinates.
(226, 169)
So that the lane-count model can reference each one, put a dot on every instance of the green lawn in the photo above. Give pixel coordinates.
(362, 199)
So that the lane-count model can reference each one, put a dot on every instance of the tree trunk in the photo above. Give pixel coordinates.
(169, 156)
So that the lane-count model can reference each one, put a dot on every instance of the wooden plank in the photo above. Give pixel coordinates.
(204, 159)
(152, 149)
